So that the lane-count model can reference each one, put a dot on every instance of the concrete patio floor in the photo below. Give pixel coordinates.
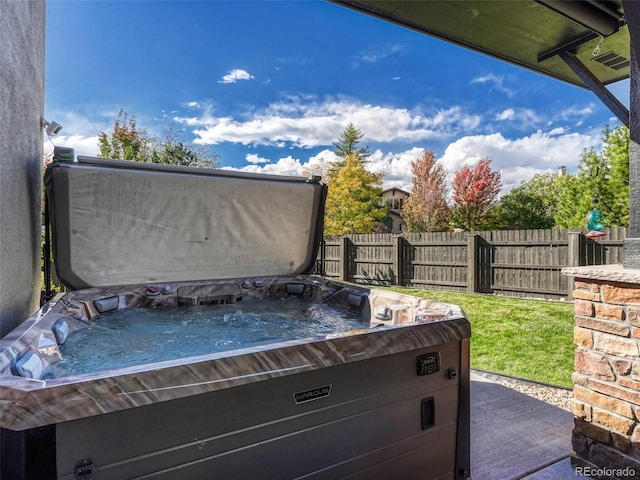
(515, 436)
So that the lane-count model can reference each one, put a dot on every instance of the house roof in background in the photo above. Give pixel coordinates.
(395, 189)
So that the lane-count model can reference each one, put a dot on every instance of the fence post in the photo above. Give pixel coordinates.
(575, 255)
(343, 266)
(472, 263)
(397, 258)
(576, 240)
(323, 258)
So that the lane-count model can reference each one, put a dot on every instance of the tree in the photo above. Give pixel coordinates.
(354, 199)
(348, 141)
(173, 151)
(426, 209)
(603, 177)
(532, 204)
(523, 208)
(474, 195)
(577, 197)
(546, 186)
(320, 168)
(128, 142)
(616, 155)
(573, 205)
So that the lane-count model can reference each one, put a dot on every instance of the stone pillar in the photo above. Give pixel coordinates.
(22, 37)
(606, 395)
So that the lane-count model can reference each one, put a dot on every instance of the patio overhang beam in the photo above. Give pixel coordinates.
(597, 16)
(599, 90)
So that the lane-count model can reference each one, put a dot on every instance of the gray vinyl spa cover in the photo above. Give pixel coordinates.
(117, 222)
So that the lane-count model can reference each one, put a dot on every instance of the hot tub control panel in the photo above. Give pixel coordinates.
(428, 363)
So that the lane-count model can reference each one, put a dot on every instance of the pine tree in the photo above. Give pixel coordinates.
(348, 142)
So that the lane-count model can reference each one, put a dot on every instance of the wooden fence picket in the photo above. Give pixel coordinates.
(520, 263)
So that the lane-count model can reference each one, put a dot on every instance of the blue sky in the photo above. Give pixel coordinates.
(271, 85)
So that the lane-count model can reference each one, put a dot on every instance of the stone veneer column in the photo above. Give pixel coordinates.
(606, 394)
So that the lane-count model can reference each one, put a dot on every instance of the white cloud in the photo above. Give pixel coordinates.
(497, 82)
(518, 159)
(521, 119)
(305, 121)
(323, 159)
(508, 114)
(82, 145)
(377, 54)
(289, 165)
(577, 112)
(556, 131)
(395, 166)
(234, 75)
(284, 166)
(254, 159)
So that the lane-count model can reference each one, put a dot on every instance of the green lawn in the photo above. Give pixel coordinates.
(524, 338)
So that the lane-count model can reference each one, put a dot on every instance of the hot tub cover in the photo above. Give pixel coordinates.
(117, 222)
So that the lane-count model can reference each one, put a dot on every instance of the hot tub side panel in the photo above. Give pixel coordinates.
(393, 415)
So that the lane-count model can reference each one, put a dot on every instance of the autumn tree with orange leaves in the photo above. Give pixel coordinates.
(426, 209)
(475, 193)
(127, 141)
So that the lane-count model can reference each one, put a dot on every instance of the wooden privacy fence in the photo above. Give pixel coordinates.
(521, 263)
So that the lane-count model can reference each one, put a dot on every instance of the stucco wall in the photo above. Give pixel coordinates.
(22, 36)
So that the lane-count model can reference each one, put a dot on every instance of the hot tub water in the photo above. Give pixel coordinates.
(136, 336)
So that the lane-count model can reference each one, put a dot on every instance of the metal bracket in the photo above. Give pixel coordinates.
(84, 469)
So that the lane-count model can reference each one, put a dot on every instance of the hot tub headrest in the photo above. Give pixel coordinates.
(28, 365)
(60, 329)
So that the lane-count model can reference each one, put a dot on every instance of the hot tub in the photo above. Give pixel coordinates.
(333, 381)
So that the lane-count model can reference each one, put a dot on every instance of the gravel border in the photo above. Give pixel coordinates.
(560, 397)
